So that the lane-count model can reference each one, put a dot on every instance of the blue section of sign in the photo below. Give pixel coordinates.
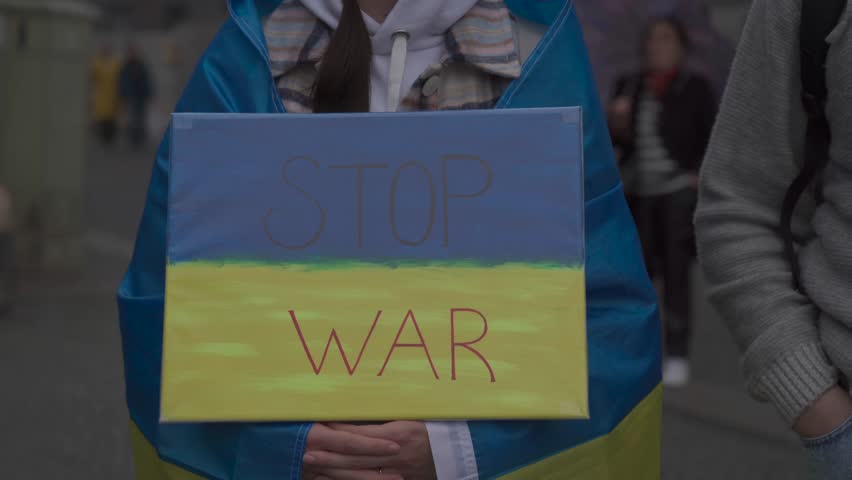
(487, 186)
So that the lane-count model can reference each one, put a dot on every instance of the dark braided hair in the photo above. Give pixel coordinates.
(343, 80)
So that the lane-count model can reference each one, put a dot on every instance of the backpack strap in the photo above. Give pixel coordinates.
(819, 18)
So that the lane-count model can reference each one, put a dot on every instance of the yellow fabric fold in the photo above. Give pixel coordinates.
(631, 451)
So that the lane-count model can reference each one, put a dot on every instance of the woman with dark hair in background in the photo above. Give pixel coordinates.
(660, 120)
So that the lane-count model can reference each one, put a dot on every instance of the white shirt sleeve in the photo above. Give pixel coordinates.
(452, 450)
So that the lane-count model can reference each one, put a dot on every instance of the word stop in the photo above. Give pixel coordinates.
(442, 195)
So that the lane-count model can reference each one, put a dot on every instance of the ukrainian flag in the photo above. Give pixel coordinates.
(620, 440)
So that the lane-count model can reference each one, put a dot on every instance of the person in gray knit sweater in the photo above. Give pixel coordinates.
(797, 347)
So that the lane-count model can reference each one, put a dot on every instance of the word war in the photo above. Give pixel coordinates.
(351, 368)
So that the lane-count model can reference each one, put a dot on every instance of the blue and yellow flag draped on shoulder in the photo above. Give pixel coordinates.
(622, 438)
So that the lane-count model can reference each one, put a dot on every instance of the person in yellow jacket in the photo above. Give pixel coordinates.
(106, 102)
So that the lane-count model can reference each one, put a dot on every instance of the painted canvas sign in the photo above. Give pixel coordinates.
(373, 267)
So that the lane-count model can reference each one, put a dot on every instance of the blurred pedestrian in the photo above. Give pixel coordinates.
(781, 274)
(136, 92)
(660, 119)
(7, 250)
(105, 96)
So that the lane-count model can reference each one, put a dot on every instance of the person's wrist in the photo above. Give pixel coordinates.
(830, 411)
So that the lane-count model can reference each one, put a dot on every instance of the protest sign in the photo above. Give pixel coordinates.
(374, 267)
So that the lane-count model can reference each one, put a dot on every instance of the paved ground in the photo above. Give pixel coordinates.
(62, 403)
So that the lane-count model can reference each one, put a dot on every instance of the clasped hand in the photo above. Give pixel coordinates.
(390, 451)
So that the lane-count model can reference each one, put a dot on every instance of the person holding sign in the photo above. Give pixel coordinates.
(347, 56)
(390, 56)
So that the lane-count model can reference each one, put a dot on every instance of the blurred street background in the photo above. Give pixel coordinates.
(76, 202)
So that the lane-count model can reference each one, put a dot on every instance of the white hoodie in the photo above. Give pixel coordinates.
(426, 23)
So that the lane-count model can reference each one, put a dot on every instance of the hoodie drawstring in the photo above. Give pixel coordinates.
(399, 52)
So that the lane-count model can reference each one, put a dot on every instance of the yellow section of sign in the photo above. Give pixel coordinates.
(254, 342)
